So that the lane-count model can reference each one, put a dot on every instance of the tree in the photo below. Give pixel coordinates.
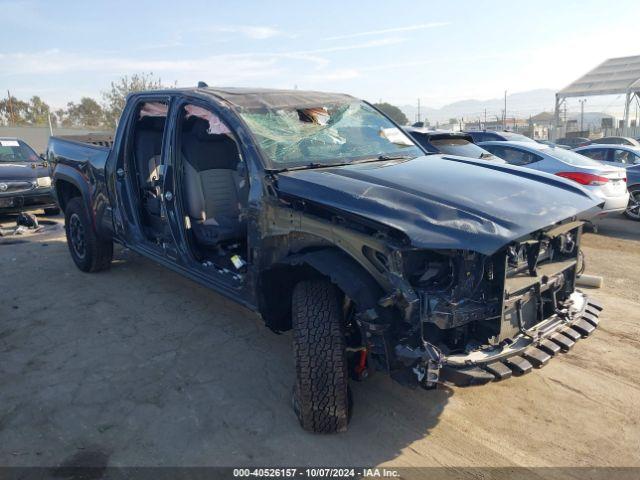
(37, 111)
(87, 113)
(453, 121)
(115, 98)
(392, 112)
(13, 111)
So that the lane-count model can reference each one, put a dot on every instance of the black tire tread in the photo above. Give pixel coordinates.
(321, 390)
(99, 251)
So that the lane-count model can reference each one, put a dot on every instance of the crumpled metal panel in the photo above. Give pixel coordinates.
(443, 202)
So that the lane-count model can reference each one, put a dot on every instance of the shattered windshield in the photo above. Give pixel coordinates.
(326, 135)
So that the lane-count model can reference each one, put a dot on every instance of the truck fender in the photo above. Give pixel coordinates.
(75, 178)
(345, 272)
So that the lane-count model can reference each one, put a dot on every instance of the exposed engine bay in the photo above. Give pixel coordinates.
(471, 310)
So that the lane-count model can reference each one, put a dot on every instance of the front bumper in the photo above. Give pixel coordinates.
(550, 337)
(15, 203)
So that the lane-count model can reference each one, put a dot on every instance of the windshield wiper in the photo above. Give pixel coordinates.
(302, 167)
(398, 156)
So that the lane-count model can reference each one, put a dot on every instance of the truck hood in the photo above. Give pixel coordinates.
(21, 171)
(444, 202)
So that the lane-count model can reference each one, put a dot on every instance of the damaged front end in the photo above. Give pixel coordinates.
(470, 318)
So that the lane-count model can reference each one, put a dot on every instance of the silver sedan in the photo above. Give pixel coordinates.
(606, 181)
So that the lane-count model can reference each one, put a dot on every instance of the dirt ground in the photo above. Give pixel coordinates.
(138, 366)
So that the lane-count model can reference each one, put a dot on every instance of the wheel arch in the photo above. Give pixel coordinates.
(68, 183)
(277, 282)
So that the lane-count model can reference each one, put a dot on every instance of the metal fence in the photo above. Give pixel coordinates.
(38, 137)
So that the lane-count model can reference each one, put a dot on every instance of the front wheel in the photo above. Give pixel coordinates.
(633, 209)
(89, 252)
(321, 394)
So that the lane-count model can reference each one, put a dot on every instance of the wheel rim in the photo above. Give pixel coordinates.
(76, 236)
(633, 209)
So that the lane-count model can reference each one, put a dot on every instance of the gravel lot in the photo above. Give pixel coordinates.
(139, 366)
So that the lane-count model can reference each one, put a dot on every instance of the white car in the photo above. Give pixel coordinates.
(606, 181)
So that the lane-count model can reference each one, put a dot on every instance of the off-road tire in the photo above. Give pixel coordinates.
(320, 397)
(49, 212)
(96, 253)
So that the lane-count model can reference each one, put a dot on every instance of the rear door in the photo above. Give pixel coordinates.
(144, 177)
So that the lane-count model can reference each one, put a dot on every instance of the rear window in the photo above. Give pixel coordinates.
(16, 151)
(572, 158)
(459, 146)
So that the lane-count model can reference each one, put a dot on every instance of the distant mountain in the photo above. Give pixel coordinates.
(520, 105)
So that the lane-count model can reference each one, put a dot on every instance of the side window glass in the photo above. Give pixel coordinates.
(517, 157)
(623, 156)
(497, 151)
(596, 154)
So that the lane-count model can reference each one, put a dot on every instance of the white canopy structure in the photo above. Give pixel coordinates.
(614, 76)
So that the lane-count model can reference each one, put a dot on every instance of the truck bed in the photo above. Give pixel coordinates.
(102, 139)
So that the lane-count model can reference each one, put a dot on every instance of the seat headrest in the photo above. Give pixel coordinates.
(155, 124)
(205, 151)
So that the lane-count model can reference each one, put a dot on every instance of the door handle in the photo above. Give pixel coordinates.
(120, 173)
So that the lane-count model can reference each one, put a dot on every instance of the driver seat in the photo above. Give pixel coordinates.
(212, 185)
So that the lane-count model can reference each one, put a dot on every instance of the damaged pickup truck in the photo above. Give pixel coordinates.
(316, 211)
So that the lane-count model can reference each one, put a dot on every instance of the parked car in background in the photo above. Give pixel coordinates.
(24, 179)
(624, 156)
(618, 141)
(451, 143)
(552, 144)
(573, 142)
(494, 135)
(606, 181)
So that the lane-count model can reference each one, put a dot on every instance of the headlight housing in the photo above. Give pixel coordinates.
(43, 182)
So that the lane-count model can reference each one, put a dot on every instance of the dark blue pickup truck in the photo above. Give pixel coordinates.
(316, 211)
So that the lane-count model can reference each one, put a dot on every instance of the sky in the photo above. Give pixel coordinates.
(393, 51)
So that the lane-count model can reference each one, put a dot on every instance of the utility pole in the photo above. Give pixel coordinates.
(485, 118)
(11, 109)
(582, 102)
(504, 122)
(418, 110)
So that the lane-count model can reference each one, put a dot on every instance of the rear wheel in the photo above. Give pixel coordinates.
(321, 395)
(633, 209)
(89, 252)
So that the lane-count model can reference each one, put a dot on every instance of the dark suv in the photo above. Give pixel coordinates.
(318, 212)
(450, 143)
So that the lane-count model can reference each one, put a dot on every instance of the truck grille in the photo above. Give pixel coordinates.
(13, 187)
